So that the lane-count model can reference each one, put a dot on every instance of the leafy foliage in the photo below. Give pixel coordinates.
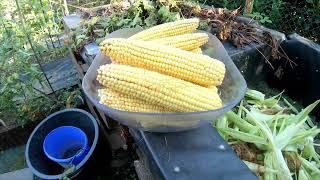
(261, 17)
(39, 107)
(144, 13)
(21, 43)
(288, 16)
(230, 4)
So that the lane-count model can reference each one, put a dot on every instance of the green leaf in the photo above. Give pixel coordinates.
(256, 95)
(310, 166)
(302, 116)
(241, 123)
(151, 20)
(245, 137)
(266, 131)
(222, 122)
(283, 138)
(136, 21)
(310, 1)
(310, 152)
(300, 137)
(147, 5)
(261, 116)
(268, 21)
(167, 16)
(15, 75)
(3, 88)
(268, 163)
(281, 165)
(239, 113)
(257, 168)
(273, 101)
(291, 106)
(164, 11)
(34, 68)
(303, 175)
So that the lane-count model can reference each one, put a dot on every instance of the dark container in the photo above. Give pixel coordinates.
(99, 153)
(302, 80)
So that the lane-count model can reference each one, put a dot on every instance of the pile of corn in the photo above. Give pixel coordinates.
(161, 69)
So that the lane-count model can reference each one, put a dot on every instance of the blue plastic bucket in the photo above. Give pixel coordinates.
(66, 145)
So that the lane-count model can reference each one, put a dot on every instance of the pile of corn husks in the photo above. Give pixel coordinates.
(272, 137)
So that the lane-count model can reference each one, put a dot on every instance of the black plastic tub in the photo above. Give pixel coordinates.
(43, 168)
(302, 80)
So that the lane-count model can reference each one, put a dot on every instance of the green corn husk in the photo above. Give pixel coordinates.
(274, 131)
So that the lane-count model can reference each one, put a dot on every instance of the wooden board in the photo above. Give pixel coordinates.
(61, 74)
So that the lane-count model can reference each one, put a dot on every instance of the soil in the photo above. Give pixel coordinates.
(14, 135)
(247, 152)
(293, 161)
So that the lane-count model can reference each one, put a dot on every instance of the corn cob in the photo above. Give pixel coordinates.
(168, 29)
(196, 68)
(197, 51)
(159, 124)
(185, 41)
(213, 89)
(124, 102)
(155, 88)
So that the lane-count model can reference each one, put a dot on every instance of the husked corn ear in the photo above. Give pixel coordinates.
(196, 68)
(168, 29)
(178, 124)
(213, 89)
(155, 88)
(125, 102)
(186, 42)
(197, 51)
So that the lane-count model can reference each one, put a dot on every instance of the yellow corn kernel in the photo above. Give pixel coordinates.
(213, 88)
(155, 88)
(124, 102)
(197, 51)
(186, 42)
(159, 124)
(168, 29)
(196, 68)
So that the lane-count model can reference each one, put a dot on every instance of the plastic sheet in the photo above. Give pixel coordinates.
(232, 91)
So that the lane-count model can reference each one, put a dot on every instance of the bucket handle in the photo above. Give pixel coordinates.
(77, 155)
(71, 167)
